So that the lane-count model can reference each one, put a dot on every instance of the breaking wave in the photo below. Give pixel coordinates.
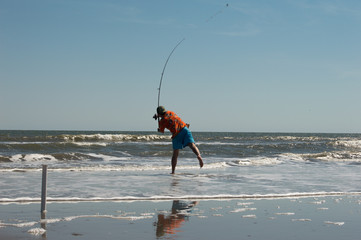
(336, 156)
(107, 137)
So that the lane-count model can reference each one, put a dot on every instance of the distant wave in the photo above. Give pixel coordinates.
(335, 156)
(85, 137)
(43, 136)
(114, 137)
(348, 143)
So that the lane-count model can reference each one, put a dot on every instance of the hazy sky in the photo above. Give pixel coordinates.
(279, 66)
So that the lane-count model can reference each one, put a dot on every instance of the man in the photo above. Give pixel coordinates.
(181, 136)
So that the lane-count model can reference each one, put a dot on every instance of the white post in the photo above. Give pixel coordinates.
(43, 189)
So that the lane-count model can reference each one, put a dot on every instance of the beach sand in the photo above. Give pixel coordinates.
(331, 217)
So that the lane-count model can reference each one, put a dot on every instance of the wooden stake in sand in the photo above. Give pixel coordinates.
(43, 190)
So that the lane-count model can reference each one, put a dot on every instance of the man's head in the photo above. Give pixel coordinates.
(161, 110)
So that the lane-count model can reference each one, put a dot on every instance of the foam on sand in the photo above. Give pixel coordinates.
(243, 210)
(302, 220)
(285, 214)
(71, 218)
(335, 223)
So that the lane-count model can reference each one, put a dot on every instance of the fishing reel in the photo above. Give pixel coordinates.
(155, 117)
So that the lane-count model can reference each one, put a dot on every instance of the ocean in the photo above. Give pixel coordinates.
(94, 166)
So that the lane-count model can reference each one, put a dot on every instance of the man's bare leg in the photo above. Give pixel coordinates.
(197, 153)
(174, 159)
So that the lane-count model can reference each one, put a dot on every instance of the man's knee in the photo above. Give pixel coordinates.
(191, 145)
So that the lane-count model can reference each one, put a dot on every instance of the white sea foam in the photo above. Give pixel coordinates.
(302, 220)
(255, 161)
(243, 210)
(114, 137)
(33, 158)
(285, 213)
(183, 197)
(19, 225)
(322, 209)
(291, 156)
(336, 156)
(335, 223)
(339, 156)
(217, 215)
(106, 158)
(245, 203)
(319, 202)
(110, 168)
(221, 143)
(37, 231)
(147, 214)
(24, 143)
(90, 144)
(295, 138)
(349, 143)
(123, 217)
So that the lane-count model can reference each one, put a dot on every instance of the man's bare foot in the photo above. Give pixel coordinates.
(200, 161)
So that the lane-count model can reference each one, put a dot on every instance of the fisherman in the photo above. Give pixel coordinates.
(181, 136)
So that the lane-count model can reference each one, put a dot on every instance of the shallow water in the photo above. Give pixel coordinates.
(136, 165)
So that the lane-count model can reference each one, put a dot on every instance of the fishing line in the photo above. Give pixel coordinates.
(219, 12)
(166, 62)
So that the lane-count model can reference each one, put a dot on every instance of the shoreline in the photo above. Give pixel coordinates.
(220, 197)
(311, 217)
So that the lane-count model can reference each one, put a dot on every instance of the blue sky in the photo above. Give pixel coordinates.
(254, 66)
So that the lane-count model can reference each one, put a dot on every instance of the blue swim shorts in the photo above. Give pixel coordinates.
(182, 139)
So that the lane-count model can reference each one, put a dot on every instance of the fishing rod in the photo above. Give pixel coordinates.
(161, 78)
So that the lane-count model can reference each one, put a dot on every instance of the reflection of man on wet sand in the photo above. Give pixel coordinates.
(169, 224)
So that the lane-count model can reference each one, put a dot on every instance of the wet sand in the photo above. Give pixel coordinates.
(331, 217)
